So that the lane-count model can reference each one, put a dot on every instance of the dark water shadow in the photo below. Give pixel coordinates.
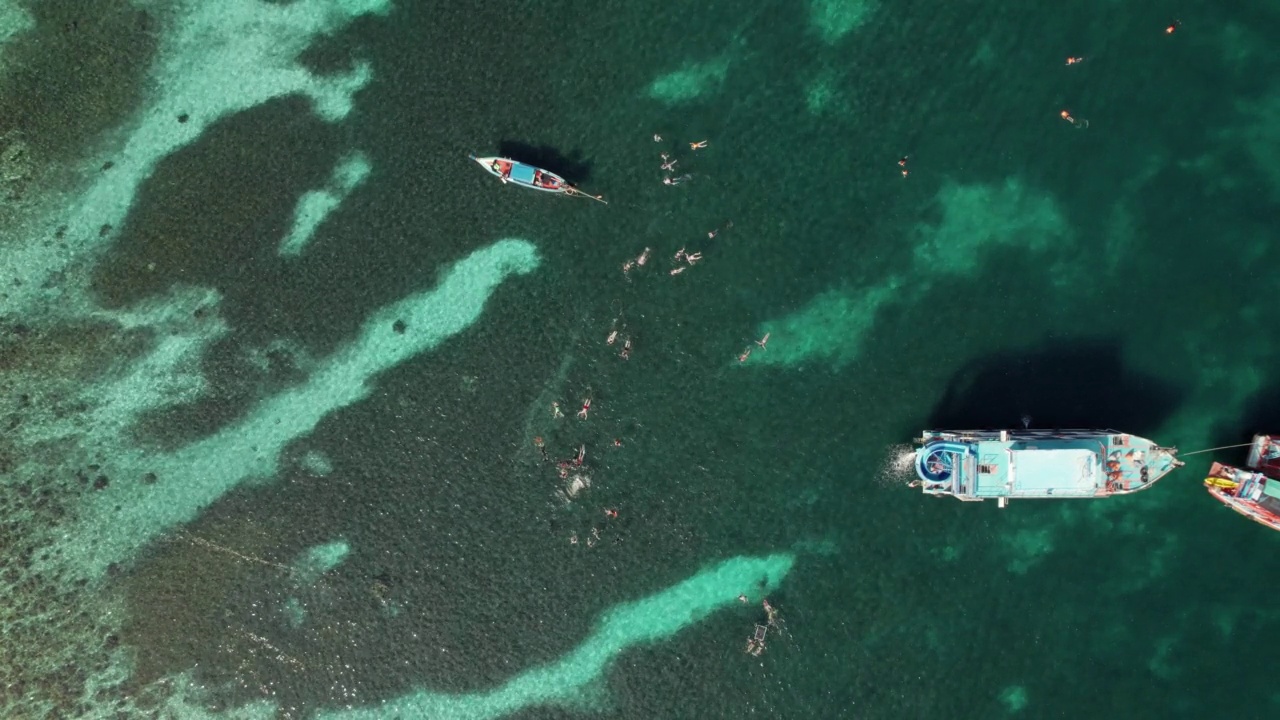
(572, 166)
(1080, 383)
(1261, 414)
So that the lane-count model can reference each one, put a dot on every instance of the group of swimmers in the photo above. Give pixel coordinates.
(669, 162)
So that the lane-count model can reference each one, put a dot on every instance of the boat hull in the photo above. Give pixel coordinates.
(524, 174)
(977, 465)
(1252, 491)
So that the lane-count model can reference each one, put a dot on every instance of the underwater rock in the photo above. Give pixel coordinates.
(399, 327)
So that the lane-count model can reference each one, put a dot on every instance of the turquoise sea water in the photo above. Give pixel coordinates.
(262, 466)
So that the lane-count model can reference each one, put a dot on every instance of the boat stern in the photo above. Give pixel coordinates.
(1264, 455)
(943, 466)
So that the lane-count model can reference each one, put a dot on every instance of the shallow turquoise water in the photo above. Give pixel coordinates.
(1110, 276)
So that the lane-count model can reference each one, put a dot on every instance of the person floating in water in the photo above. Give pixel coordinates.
(669, 163)
(697, 145)
(586, 406)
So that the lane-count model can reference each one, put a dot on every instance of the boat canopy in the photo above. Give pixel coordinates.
(1071, 471)
(522, 173)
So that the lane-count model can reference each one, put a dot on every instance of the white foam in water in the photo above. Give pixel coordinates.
(222, 58)
(13, 20)
(899, 466)
(569, 681)
(205, 470)
(320, 559)
(316, 205)
(834, 19)
(976, 218)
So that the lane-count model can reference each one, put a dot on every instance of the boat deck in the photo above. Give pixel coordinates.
(1006, 464)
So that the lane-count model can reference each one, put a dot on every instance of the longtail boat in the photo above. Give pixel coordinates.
(1252, 491)
(529, 176)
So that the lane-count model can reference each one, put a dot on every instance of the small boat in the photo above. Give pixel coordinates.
(974, 465)
(1252, 491)
(526, 175)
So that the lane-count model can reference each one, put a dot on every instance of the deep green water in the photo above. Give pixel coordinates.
(1112, 276)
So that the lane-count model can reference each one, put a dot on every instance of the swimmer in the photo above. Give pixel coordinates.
(617, 442)
(677, 271)
(763, 341)
(644, 257)
(680, 254)
(586, 405)
(903, 161)
(573, 539)
(1079, 124)
(742, 599)
(1172, 27)
(657, 137)
(582, 455)
(669, 163)
(675, 180)
(743, 357)
(693, 257)
(555, 411)
(905, 172)
(698, 145)
(713, 233)
(611, 513)
(613, 336)
(1074, 60)
(626, 350)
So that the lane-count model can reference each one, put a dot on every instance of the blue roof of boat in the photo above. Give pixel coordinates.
(522, 173)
